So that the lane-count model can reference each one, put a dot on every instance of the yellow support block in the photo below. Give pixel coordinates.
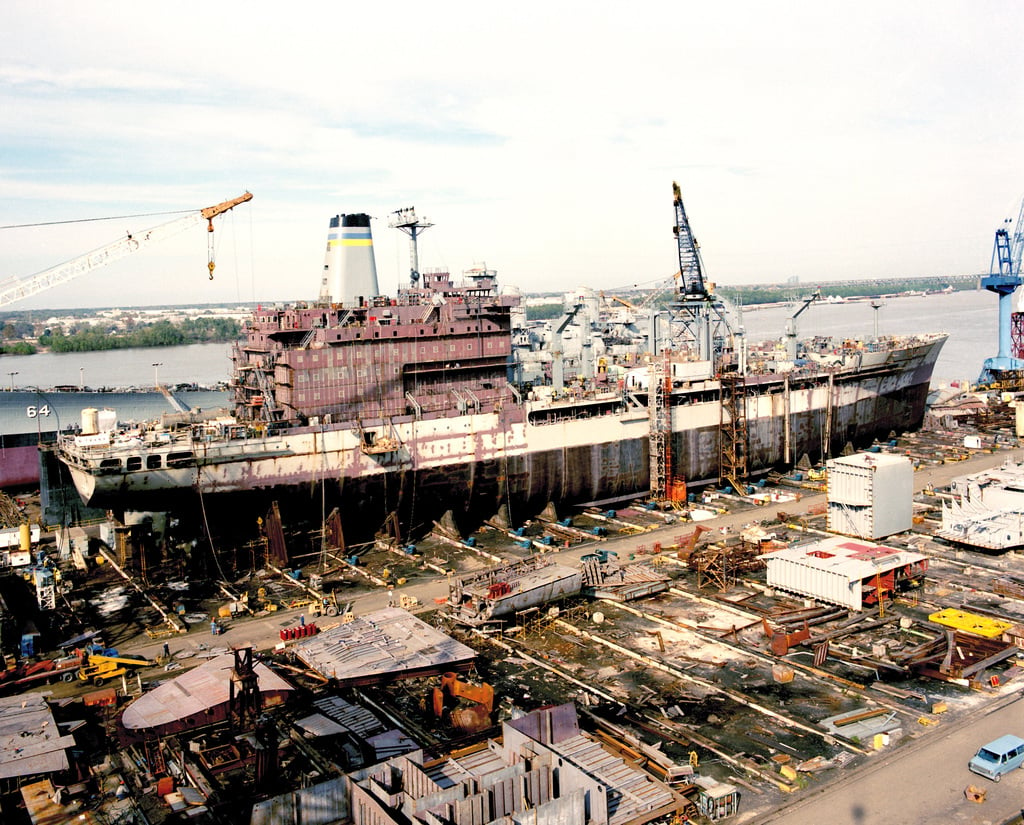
(970, 623)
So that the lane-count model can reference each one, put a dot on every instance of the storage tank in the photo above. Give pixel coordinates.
(90, 421)
(25, 537)
(106, 420)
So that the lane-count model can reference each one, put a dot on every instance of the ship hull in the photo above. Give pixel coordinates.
(19, 461)
(29, 418)
(520, 459)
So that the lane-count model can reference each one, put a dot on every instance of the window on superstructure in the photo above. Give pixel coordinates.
(153, 462)
(134, 463)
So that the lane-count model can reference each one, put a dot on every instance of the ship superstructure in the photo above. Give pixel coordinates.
(414, 405)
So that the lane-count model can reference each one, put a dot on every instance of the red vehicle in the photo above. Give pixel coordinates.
(28, 674)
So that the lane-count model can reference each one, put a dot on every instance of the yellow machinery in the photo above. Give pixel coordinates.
(97, 669)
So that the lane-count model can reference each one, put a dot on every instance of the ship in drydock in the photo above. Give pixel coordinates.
(439, 399)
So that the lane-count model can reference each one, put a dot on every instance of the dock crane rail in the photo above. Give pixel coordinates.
(18, 288)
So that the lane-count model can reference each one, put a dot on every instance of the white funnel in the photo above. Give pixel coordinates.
(350, 271)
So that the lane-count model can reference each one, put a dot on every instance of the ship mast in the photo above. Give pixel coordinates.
(406, 220)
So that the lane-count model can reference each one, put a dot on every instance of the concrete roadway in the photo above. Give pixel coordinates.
(922, 782)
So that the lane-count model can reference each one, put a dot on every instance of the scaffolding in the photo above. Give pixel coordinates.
(714, 568)
(733, 440)
(659, 403)
(720, 565)
(665, 485)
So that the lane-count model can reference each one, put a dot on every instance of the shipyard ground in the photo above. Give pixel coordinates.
(689, 669)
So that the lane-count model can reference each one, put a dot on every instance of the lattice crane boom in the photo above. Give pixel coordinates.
(16, 289)
(691, 268)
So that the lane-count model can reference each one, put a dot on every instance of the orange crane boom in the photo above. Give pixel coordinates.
(17, 288)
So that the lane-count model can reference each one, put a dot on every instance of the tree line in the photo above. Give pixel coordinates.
(201, 330)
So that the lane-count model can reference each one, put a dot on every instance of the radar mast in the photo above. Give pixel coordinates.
(406, 220)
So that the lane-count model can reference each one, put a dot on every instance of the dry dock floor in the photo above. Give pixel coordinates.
(688, 671)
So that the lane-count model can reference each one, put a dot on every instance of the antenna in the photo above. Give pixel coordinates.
(407, 222)
(876, 305)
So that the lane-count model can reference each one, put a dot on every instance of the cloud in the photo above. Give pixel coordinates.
(853, 141)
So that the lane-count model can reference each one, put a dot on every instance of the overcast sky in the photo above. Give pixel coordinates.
(821, 140)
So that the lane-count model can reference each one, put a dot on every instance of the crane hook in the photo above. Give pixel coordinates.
(210, 247)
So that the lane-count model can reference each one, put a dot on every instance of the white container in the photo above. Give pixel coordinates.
(870, 495)
(106, 420)
(837, 570)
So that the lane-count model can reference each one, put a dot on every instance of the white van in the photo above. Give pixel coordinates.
(999, 756)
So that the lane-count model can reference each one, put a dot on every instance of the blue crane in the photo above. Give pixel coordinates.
(698, 315)
(691, 267)
(1003, 279)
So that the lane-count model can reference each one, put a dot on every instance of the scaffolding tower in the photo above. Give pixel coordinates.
(665, 484)
(659, 404)
(732, 468)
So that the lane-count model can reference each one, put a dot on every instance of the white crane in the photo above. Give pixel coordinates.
(17, 288)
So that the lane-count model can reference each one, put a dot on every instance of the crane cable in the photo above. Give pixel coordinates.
(90, 220)
(210, 248)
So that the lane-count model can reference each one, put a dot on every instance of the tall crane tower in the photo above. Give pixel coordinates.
(17, 288)
(699, 316)
(1003, 279)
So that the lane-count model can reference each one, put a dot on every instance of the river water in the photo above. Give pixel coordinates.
(970, 318)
